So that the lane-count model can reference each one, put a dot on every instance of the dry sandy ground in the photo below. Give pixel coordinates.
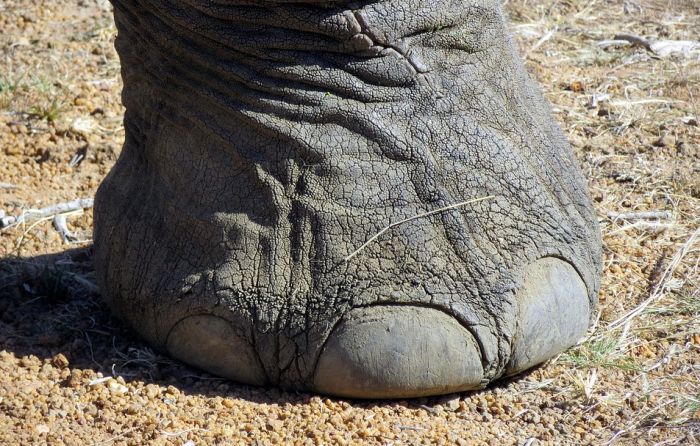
(70, 374)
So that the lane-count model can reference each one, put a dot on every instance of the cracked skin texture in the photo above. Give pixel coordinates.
(268, 140)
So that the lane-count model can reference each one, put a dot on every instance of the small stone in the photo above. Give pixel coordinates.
(228, 403)
(91, 410)
(576, 86)
(12, 149)
(451, 404)
(665, 141)
(75, 379)
(117, 388)
(274, 424)
(152, 391)
(42, 429)
(60, 361)
(83, 126)
(696, 339)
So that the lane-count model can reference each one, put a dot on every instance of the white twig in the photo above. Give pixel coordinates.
(59, 222)
(406, 220)
(651, 226)
(47, 212)
(597, 99)
(7, 186)
(548, 35)
(644, 215)
(97, 381)
(182, 432)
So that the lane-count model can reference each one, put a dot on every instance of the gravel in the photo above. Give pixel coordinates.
(71, 374)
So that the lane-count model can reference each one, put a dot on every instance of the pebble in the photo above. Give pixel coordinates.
(275, 424)
(228, 403)
(152, 391)
(60, 361)
(116, 387)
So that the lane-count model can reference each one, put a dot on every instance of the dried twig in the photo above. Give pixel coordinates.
(642, 215)
(604, 44)
(406, 220)
(548, 35)
(650, 226)
(664, 48)
(661, 48)
(634, 40)
(59, 222)
(47, 212)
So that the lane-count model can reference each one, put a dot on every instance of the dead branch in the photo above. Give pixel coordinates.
(59, 222)
(47, 212)
(642, 215)
(634, 40)
(604, 44)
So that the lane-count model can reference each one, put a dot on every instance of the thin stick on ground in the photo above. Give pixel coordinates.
(643, 215)
(61, 225)
(47, 212)
(634, 40)
(406, 220)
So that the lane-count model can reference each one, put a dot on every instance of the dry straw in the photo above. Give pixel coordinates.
(415, 217)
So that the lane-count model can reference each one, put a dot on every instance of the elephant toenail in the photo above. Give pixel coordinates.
(553, 313)
(389, 351)
(210, 343)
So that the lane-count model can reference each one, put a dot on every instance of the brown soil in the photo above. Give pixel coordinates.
(70, 373)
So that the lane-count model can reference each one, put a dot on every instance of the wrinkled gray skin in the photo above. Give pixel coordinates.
(266, 141)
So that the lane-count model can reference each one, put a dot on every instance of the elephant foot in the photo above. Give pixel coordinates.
(403, 351)
(363, 199)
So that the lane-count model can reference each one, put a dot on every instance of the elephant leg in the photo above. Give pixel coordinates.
(365, 199)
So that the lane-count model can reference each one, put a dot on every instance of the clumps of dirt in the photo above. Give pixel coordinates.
(72, 374)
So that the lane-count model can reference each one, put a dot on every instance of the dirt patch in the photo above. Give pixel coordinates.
(72, 374)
